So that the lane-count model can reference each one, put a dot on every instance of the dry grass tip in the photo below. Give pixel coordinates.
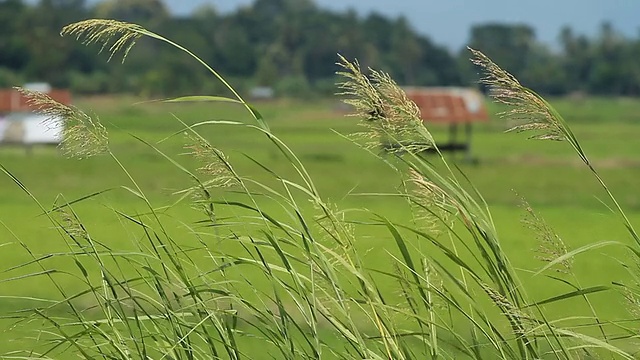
(82, 136)
(550, 245)
(112, 35)
(433, 205)
(527, 109)
(391, 118)
(214, 163)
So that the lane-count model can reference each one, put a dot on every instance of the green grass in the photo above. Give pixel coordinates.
(547, 174)
(311, 246)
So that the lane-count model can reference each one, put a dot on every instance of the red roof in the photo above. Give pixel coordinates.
(448, 105)
(13, 101)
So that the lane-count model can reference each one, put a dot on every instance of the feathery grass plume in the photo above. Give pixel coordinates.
(405, 289)
(433, 281)
(110, 34)
(528, 109)
(333, 226)
(433, 205)
(520, 321)
(70, 223)
(214, 162)
(82, 136)
(631, 292)
(390, 117)
(632, 302)
(538, 115)
(550, 245)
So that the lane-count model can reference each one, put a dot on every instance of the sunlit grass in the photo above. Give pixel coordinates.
(291, 241)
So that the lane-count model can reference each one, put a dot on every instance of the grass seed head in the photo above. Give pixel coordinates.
(113, 35)
(550, 245)
(334, 227)
(69, 221)
(527, 109)
(82, 135)
(214, 162)
(386, 111)
(521, 321)
(433, 205)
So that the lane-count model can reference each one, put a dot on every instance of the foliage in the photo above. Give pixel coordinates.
(275, 39)
(294, 279)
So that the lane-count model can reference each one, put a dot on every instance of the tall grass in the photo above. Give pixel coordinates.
(248, 281)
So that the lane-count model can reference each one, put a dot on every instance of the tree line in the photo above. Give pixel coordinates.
(291, 46)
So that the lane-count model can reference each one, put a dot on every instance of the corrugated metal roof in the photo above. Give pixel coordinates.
(448, 104)
(13, 101)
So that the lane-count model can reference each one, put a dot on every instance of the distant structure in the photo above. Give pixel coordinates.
(452, 106)
(261, 93)
(20, 125)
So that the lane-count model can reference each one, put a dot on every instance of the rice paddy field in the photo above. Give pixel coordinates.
(507, 167)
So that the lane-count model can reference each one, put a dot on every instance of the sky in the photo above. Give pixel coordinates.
(447, 22)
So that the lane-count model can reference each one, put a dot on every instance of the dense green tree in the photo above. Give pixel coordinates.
(47, 52)
(146, 12)
(237, 54)
(544, 72)
(292, 45)
(611, 70)
(508, 45)
(14, 51)
(407, 52)
(576, 59)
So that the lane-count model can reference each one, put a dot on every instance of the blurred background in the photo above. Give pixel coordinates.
(290, 46)
(282, 54)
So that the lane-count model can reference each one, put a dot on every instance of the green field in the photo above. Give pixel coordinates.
(548, 174)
